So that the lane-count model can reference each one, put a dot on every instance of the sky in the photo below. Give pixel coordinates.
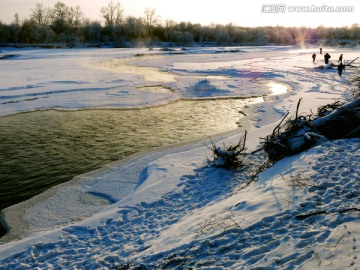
(206, 12)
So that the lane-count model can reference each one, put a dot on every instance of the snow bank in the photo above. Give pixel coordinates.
(167, 209)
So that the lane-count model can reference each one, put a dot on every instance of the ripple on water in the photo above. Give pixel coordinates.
(44, 148)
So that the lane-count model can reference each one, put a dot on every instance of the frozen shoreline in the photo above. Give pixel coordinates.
(29, 217)
(91, 192)
(160, 171)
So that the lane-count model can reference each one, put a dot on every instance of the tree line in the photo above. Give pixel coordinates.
(68, 25)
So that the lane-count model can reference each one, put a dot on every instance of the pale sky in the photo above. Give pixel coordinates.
(205, 12)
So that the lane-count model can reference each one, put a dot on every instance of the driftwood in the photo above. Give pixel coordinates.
(343, 122)
(304, 216)
(231, 157)
(291, 136)
(331, 65)
(329, 108)
(349, 64)
(295, 135)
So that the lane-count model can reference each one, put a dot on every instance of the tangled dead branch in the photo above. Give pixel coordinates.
(229, 157)
(329, 108)
(343, 122)
(219, 222)
(291, 136)
(294, 135)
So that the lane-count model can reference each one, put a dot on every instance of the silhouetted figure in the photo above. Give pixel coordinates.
(340, 69)
(327, 57)
(340, 58)
(313, 57)
(320, 50)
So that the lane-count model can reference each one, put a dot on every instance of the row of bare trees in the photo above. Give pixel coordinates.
(66, 24)
(63, 23)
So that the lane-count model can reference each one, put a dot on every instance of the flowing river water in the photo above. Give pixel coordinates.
(41, 149)
(44, 148)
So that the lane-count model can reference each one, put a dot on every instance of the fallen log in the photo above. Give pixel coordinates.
(345, 65)
(296, 135)
(352, 61)
(343, 122)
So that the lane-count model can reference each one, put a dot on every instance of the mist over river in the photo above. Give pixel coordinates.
(44, 148)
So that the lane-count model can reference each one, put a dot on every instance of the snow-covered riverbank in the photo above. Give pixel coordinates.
(167, 208)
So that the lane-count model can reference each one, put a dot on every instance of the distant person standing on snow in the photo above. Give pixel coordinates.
(327, 57)
(320, 50)
(340, 58)
(340, 69)
(313, 57)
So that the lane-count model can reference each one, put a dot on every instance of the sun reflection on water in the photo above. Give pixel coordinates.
(277, 88)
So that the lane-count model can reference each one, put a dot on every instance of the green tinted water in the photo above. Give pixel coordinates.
(44, 148)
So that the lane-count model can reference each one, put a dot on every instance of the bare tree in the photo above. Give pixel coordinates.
(113, 14)
(60, 14)
(41, 15)
(151, 20)
(133, 27)
(16, 19)
(75, 17)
